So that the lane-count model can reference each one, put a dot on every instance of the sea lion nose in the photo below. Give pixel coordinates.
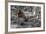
(26, 20)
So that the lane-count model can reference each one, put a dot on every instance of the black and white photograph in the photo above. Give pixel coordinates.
(25, 17)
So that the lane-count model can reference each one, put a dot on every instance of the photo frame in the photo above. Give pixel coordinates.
(26, 16)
